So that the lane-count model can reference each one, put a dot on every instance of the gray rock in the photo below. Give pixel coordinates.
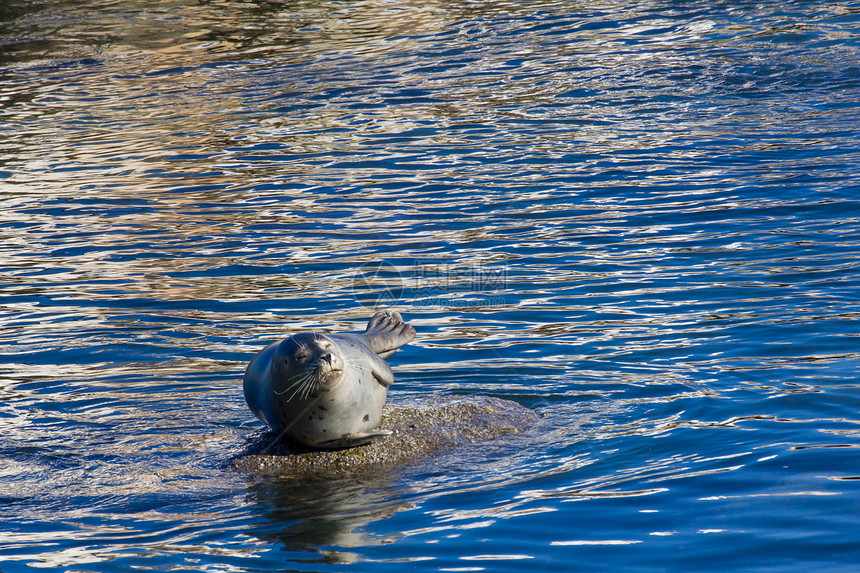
(420, 429)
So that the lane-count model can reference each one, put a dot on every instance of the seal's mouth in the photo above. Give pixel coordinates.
(330, 376)
(306, 383)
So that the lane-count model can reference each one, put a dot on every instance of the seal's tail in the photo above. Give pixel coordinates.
(386, 332)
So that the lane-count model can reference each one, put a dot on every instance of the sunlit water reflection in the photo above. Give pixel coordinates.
(640, 220)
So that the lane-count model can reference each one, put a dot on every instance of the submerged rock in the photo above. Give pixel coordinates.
(420, 429)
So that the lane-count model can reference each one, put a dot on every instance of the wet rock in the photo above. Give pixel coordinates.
(420, 429)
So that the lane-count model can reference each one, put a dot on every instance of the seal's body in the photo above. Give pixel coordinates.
(326, 391)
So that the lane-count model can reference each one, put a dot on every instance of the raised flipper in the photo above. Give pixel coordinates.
(352, 440)
(386, 332)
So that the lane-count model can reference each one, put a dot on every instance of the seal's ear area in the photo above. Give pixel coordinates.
(386, 332)
(296, 349)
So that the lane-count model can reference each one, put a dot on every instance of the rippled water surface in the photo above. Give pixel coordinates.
(639, 219)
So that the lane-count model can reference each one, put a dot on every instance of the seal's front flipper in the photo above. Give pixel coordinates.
(352, 440)
(386, 332)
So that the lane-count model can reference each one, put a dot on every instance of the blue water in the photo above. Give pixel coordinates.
(639, 219)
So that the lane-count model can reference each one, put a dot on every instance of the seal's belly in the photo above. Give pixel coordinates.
(352, 406)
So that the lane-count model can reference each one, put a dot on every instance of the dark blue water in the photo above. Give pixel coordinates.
(640, 219)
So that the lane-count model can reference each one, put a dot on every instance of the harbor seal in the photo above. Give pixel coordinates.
(327, 390)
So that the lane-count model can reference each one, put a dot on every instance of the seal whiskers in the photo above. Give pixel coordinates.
(303, 385)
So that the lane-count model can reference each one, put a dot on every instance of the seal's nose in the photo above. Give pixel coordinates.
(326, 356)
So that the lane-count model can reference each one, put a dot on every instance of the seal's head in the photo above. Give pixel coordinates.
(305, 364)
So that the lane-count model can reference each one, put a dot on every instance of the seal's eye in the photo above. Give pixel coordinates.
(300, 355)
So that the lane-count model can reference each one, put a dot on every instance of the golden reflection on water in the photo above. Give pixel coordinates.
(179, 88)
(161, 85)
